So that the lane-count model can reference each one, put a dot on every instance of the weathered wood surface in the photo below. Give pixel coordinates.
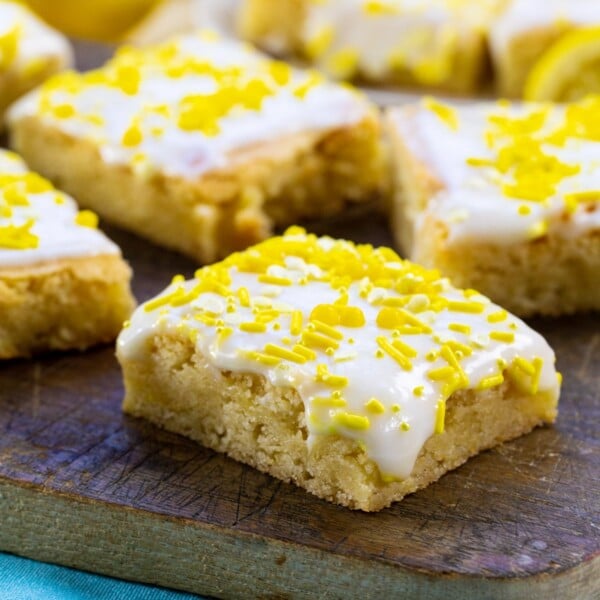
(82, 484)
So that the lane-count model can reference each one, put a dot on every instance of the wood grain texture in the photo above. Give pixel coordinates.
(83, 485)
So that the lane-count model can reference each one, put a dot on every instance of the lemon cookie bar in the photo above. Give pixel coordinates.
(344, 369)
(526, 29)
(201, 144)
(503, 198)
(29, 52)
(435, 43)
(63, 284)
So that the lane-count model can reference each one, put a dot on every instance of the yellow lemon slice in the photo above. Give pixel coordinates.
(568, 70)
(99, 20)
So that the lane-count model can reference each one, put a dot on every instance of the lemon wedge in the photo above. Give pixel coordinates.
(99, 20)
(568, 70)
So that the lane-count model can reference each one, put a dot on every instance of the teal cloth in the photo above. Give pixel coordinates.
(23, 579)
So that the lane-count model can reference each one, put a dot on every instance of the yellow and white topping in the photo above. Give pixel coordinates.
(38, 223)
(522, 17)
(184, 106)
(378, 37)
(27, 44)
(373, 344)
(510, 173)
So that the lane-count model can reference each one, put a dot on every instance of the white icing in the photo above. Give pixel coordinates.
(36, 40)
(54, 224)
(471, 204)
(192, 153)
(421, 29)
(392, 448)
(522, 16)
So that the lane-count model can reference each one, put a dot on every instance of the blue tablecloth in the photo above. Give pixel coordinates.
(23, 579)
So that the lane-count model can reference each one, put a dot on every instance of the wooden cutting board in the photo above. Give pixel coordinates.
(85, 486)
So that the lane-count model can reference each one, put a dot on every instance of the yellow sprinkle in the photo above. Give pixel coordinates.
(468, 307)
(440, 416)
(253, 327)
(503, 336)
(524, 209)
(489, 382)
(133, 136)
(404, 426)
(497, 317)
(244, 297)
(538, 363)
(525, 365)
(18, 237)
(318, 44)
(537, 230)
(352, 316)
(274, 280)
(375, 406)
(343, 64)
(304, 351)
(328, 402)
(284, 353)
(87, 218)
(379, 7)
(318, 340)
(324, 376)
(63, 111)
(404, 348)
(394, 353)
(296, 322)
(448, 355)
(327, 330)
(350, 421)
(178, 279)
(440, 373)
(418, 391)
(395, 408)
(460, 328)
(326, 313)
(445, 113)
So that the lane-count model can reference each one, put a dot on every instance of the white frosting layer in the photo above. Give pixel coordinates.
(472, 204)
(49, 221)
(104, 112)
(420, 36)
(35, 40)
(522, 16)
(394, 428)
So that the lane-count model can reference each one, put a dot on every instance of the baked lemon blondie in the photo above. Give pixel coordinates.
(201, 144)
(63, 284)
(30, 52)
(435, 43)
(526, 29)
(339, 367)
(503, 198)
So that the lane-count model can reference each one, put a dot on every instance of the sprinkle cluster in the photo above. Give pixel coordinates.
(374, 344)
(216, 81)
(533, 154)
(21, 196)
